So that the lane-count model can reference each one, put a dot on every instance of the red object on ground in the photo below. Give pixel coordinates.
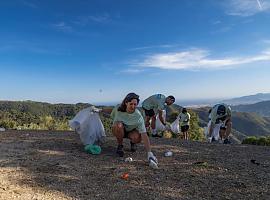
(125, 176)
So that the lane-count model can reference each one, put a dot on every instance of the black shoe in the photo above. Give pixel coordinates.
(120, 151)
(213, 139)
(227, 141)
(133, 146)
(156, 135)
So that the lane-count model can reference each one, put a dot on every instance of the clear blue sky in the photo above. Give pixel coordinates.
(99, 50)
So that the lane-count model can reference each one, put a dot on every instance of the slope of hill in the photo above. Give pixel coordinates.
(37, 115)
(250, 99)
(53, 165)
(33, 108)
(261, 108)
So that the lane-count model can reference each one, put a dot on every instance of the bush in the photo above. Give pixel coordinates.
(262, 141)
(250, 140)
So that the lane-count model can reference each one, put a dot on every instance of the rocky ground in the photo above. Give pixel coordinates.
(53, 165)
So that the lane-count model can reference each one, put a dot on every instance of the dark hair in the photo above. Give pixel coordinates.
(221, 110)
(172, 98)
(128, 98)
(184, 110)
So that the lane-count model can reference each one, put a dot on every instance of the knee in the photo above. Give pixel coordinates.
(118, 126)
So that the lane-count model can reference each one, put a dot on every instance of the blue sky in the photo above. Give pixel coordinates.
(98, 50)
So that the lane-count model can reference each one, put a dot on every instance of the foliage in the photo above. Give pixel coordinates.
(29, 115)
(262, 141)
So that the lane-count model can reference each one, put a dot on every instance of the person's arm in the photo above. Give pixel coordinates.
(153, 162)
(146, 142)
(160, 115)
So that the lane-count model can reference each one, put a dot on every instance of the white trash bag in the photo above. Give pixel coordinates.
(159, 125)
(175, 127)
(215, 133)
(88, 125)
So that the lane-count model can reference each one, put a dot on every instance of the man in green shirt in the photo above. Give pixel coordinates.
(220, 115)
(154, 105)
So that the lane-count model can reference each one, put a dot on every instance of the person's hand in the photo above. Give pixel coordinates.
(153, 162)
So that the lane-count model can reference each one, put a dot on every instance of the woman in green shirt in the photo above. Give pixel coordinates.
(128, 123)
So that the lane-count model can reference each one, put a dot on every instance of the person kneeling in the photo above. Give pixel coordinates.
(128, 123)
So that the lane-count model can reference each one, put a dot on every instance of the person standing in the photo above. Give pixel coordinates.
(184, 123)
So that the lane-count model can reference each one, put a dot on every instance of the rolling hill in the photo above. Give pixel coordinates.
(261, 108)
(26, 113)
(250, 99)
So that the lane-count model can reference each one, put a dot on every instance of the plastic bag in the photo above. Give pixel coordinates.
(88, 125)
(159, 125)
(175, 128)
(215, 133)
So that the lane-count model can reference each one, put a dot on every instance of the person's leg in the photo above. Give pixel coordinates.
(187, 128)
(135, 138)
(153, 122)
(184, 132)
(119, 132)
(147, 121)
(228, 129)
(222, 133)
(186, 135)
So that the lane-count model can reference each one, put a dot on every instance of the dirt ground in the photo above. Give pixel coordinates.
(53, 165)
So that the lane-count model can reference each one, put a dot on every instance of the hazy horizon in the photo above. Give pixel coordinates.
(182, 102)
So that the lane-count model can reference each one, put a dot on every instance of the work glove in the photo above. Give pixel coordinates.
(153, 162)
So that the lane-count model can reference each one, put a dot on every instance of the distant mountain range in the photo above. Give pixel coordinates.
(250, 99)
(261, 108)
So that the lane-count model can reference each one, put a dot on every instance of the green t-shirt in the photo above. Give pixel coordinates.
(130, 120)
(184, 119)
(214, 117)
(155, 102)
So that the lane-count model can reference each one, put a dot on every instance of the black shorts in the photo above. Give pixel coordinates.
(149, 113)
(127, 132)
(184, 128)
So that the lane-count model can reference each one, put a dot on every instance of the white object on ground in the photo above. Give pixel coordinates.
(128, 159)
(168, 154)
(88, 125)
(2, 129)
